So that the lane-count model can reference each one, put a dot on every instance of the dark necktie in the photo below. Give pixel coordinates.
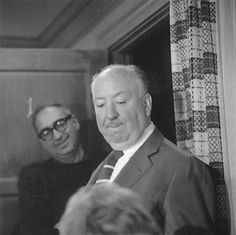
(109, 166)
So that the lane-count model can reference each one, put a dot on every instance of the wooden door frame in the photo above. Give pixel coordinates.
(118, 51)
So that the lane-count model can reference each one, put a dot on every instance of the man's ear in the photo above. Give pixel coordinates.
(75, 122)
(148, 104)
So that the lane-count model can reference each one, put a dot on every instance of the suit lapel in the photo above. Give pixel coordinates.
(96, 172)
(140, 162)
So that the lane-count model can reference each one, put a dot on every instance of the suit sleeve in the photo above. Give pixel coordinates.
(190, 200)
(35, 207)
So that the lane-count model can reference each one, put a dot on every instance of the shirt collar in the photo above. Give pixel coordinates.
(147, 132)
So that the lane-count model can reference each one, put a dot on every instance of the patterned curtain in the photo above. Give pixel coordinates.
(195, 89)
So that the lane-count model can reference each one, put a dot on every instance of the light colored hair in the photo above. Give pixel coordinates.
(106, 208)
(125, 71)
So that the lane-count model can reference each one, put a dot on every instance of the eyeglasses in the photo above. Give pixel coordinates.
(60, 125)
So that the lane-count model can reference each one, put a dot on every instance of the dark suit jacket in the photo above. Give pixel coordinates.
(176, 188)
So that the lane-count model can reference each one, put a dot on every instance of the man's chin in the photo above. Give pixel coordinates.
(63, 145)
(119, 145)
(118, 141)
(64, 151)
(64, 157)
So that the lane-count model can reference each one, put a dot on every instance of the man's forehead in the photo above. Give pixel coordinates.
(51, 111)
(49, 114)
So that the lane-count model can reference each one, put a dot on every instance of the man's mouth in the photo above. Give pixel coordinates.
(114, 125)
(62, 143)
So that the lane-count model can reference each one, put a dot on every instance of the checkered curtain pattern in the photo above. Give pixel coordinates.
(195, 87)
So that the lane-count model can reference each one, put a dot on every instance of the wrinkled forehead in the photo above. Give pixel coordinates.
(47, 116)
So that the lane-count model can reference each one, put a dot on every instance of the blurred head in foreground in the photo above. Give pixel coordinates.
(106, 209)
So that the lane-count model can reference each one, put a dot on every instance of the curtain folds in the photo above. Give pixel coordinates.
(195, 88)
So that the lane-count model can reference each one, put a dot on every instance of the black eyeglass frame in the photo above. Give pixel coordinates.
(55, 127)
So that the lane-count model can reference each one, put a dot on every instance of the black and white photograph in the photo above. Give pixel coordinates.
(117, 117)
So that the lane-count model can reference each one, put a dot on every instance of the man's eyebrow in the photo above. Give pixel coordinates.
(122, 93)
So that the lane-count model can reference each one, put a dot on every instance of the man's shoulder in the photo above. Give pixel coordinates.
(35, 168)
(170, 153)
(34, 177)
(91, 160)
(169, 163)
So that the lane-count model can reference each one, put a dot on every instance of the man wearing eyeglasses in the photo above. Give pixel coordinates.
(44, 187)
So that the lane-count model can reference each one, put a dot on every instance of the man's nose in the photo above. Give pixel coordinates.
(56, 134)
(111, 112)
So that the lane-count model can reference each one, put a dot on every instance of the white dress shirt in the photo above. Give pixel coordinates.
(128, 153)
